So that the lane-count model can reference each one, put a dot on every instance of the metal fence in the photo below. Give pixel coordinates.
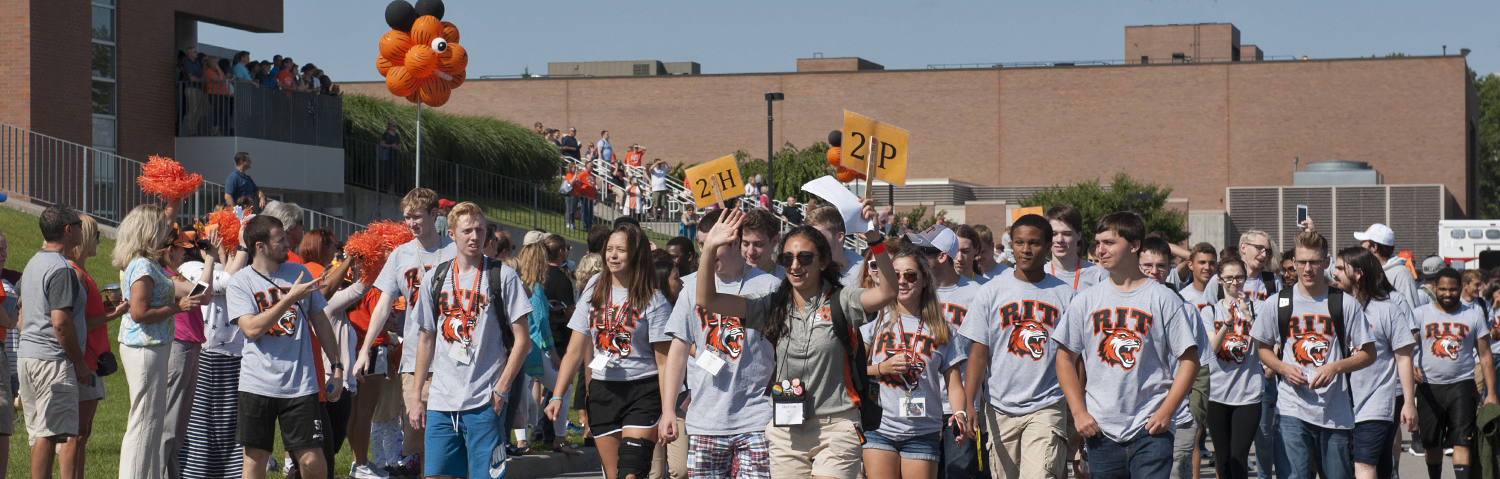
(253, 111)
(49, 170)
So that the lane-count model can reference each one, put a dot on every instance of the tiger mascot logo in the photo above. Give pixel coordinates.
(458, 329)
(1028, 340)
(1310, 349)
(1236, 348)
(723, 333)
(912, 377)
(1446, 346)
(1119, 347)
(613, 339)
(286, 325)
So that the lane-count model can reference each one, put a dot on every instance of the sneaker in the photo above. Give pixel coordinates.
(574, 429)
(1208, 457)
(363, 471)
(391, 471)
(273, 466)
(290, 466)
(1415, 451)
(1448, 452)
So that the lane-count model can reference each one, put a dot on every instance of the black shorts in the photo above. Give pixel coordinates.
(1445, 413)
(301, 420)
(616, 405)
(1370, 440)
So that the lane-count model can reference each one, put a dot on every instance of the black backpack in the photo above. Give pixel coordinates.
(494, 297)
(1335, 314)
(865, 386)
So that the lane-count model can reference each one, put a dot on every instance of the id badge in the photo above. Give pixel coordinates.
(460, 353)
(600, 362)
(789, 400)
(711, 362)
(914, 406)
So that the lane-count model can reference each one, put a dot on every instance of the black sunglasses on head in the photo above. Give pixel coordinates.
(805, 257)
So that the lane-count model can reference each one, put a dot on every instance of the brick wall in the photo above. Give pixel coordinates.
(1207, 42)
(1197, 128)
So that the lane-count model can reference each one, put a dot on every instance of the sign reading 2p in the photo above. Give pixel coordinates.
(722, 175)
(889, 156)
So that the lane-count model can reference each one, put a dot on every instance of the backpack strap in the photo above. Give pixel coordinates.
(1284, 314)
(1269, 279)
(857, 361)
(495, 299)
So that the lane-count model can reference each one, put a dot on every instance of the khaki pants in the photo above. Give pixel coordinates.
(827, 445)
(673, 458)
(411, 439)
(1033, 446)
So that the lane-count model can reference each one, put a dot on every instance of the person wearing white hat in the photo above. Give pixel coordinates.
(1379, 239)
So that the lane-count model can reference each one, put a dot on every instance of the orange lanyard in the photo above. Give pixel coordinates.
(1076, 272)
(458, 300)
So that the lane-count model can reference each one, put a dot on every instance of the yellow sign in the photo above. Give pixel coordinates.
(722, 175)
(1017, 213)
(890, 157)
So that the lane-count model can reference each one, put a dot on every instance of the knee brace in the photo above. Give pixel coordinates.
(635, 458)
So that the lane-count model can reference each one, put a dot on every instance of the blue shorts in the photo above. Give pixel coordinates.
(926, 447)
(460, 442)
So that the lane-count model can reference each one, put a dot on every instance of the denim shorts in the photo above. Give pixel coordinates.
(925, 447)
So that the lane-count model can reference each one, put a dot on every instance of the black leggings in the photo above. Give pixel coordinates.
(1233, 429)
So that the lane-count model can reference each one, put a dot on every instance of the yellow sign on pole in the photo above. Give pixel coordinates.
(722, 175)
(890, 153)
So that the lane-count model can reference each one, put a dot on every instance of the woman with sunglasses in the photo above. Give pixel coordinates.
(1234, 373)
(912, 352)
(623, 315)
(816, 430)
(1376, 415)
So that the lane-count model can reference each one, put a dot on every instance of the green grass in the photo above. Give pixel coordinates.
(103, 459)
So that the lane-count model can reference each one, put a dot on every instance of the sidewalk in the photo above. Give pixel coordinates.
(551, 464)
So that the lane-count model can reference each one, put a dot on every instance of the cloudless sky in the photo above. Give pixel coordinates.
(507, 37)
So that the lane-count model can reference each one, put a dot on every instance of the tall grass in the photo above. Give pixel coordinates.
(493, 145)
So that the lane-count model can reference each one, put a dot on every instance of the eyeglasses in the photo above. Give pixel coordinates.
(909, 275)
(1232, 279)
(1154, 267)
(805, 257)
(1308, 264)
(1259, 250)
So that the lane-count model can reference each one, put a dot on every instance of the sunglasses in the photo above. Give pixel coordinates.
(909, 275)
(805, 257)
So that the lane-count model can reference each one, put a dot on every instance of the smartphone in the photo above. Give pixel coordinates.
(1301, 214)
(199, 288)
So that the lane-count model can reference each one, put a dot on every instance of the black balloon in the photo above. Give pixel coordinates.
(399, 15)
(430, 7)
(835, 137)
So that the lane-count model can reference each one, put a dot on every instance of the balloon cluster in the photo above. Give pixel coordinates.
(835, 154)
(420, 57)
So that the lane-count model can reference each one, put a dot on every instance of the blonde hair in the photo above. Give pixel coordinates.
(532, 264)
(467, 208)
(140, 235)
(420, 198)
(590, 265)
(90, 231)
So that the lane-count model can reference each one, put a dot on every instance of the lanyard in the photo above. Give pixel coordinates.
(283, 290)
(458, 301)
(909, 347)
(1078, 271)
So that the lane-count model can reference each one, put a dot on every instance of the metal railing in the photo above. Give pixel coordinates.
(230, 108)
(49, 170)
(1070, 63)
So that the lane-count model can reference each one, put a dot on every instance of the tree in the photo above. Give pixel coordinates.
(1094, 201)
(794, 168)
(1488, 144)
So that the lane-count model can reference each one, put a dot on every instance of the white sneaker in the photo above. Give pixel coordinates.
(364, 471)
(290, 464)
(272, 465)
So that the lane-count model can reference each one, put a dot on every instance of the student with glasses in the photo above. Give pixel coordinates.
(941, 248)
(816, 428)
(1234, 373)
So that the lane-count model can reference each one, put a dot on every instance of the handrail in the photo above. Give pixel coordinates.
(1128, 61)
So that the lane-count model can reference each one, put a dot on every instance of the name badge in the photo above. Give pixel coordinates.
(789, 399)
(789, 414)
(601, 361)
(460, 353)
(711, 362)
(915, 406)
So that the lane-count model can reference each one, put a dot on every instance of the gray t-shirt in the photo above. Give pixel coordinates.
(1376, 386)
(49, 284)
(1313, 343)
(956, 302)
(987, 276)
(402, 275)
(1401, 278)
(1087, 275)
(850, 277)
(1234, 372)
(1015, 319)
(810, 351)
(1198, 299)
(1128, 342)
(1447, 342)
(734, 401)
(280, 363)
(469, 353)
(926, 380)
(622, 333)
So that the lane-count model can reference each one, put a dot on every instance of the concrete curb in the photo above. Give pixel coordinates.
(551, 464)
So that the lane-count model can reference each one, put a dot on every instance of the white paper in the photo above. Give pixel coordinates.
(830, 190)
(459, 353)
(601, 361)
(788, 414)
(710, 362)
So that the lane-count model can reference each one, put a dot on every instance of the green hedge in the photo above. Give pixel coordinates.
(489, 144)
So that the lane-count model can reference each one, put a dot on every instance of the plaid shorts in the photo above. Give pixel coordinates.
(740, 455)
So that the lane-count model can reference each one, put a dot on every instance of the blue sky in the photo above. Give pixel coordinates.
(505, 38)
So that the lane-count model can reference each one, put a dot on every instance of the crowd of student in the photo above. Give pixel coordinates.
(749, 352)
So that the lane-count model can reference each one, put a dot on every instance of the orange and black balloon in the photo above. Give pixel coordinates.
(420, 57)
(835, 154)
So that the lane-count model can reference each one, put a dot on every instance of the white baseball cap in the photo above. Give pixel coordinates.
(534, 236)
(937, 236)
(1378, 233)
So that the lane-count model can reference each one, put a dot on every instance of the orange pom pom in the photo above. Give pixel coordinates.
(372, 246)
(835, 154)
(165, 178)
(227, 226)
(421, 61)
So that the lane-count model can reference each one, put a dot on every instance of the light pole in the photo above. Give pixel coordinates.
(770, 145)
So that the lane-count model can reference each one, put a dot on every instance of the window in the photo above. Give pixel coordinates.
(1492, 234)
(641, 69)
(1457, 234)
(1179, 58)
(1145, 59)
(1476, 234)
(104, 75)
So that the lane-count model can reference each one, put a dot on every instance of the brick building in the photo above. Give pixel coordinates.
(1191, 108)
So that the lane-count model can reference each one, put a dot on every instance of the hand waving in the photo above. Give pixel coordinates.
(725, 231)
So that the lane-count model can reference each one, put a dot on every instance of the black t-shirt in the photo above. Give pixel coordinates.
(567, 143)
(559, 288)
(390, 138)
(793, 214)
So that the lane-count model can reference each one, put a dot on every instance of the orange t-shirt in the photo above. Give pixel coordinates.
(360, 318)
(634, 158)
